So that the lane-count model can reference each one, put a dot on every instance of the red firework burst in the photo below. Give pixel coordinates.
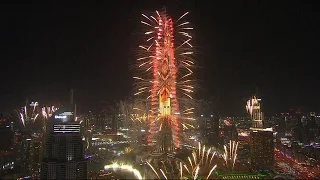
(165, 70)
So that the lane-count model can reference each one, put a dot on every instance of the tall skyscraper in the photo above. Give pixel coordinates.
(262, 150)
(254, 109)
(209, 128)
(282, 123)
(261, 140)
(311, 127)
(64, 150)
(297, 126)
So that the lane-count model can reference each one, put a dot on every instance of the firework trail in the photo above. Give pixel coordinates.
(200, 161)
(29, 113)
(124, 167)
(230, 154)
(253, 104)
(254, 109)
(165, 169)
(165, 72)
(135, 110)
(198, 164)
(47, 111)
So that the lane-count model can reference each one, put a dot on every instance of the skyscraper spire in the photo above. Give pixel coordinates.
(71, 96)
(64, 145)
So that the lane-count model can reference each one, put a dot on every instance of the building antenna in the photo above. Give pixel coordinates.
(74, 106)
(71, 96)
(164, 9)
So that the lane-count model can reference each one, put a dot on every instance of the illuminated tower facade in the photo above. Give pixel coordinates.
(165, 75)
(254, 109)
(64, 149)
(261, 139)
(163, 92)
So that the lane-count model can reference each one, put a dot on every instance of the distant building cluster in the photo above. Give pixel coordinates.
(70, 146)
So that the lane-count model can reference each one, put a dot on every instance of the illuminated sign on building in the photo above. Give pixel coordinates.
(60, 117)
(64, 117)
(67, 128)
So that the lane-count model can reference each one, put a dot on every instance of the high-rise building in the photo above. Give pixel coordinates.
(229, 132)
(209, 128)
(64, 149)
(298, 127)
(262, 150)
(254, 109)
(6, 136)
(6, 144)
(282, 123)
(261, 140)
(311, 127)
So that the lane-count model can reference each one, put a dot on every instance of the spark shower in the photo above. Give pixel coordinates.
(165, 73)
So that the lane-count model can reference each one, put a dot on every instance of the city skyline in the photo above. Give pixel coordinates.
(159, 90)
(50, 48)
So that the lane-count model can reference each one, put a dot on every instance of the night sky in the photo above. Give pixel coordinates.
(240, 46)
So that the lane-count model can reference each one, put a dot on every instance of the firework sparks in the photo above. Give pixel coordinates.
(165, 71)
(230, 154)
(135, 110)
(254, 110)
(200, 160)
(28, 114)
(198, 164)
(31, 112)
(165, 169)
(48, 111)
(252, 104)
(124, 167)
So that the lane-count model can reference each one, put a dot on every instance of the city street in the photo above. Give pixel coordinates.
(303, 172)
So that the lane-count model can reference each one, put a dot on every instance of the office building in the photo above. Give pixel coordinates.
(262, 150)
(209, 129)
(261, 139)
(311, 127)
(64, 149)
(254, 109)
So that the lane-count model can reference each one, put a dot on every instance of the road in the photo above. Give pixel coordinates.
(303, 172)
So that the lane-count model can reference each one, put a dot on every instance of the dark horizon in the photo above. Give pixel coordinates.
(50, 48)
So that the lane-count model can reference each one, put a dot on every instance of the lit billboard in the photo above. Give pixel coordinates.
(64, 117)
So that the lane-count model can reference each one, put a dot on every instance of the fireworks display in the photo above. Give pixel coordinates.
(254, 109)
(47, 111)
(198, 164)
(135, 110)
(28, 113)
(252, 105)
(124, 167)
(165, 72)
(230, 154)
